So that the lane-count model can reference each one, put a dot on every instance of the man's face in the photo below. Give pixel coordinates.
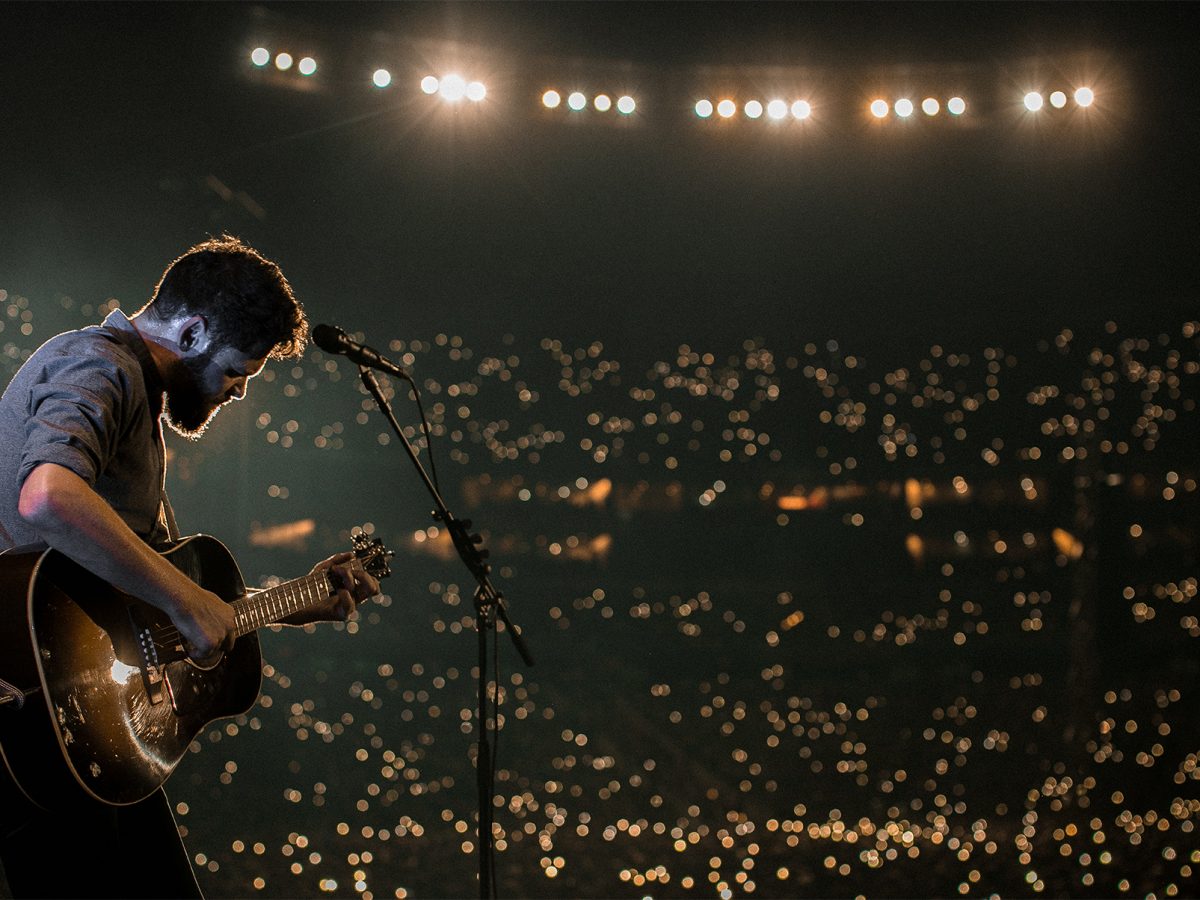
(197, 386)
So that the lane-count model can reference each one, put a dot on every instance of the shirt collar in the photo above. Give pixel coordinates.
(118, 323)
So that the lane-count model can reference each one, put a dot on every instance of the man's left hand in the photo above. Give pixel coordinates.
(353, 585)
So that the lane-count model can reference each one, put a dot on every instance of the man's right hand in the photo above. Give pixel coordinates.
(205, 621)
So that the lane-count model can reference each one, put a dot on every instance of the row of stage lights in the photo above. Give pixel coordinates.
(453, 88)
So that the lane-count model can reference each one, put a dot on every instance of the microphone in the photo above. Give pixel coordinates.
(332, 339)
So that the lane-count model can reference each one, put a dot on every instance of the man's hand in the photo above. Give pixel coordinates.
(353, 585)
(206, 623)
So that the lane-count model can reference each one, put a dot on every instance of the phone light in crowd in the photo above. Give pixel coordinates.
(777, 109)
(930, 106)
(1033, 101)
(801, 109)
(879, 108)
(704, 108)
(551, 99)
(726, 109)
(602, 102)
(260, 56)
(956, 106)
(904, 107)
(1058, 99)
(626, 105)
(283, 61)
(576, 100)
(753, 109)
(1085, 96)
(381, 78)
(307, 66)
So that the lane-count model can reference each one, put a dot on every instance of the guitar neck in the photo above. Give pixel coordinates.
(275, 604)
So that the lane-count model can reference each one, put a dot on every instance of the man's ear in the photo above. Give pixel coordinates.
(193, 335)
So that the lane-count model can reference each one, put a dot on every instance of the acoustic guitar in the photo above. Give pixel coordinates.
(98, 695)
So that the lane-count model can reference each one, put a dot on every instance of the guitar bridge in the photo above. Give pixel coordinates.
(152, 669)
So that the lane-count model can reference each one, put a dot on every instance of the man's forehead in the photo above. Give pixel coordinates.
(231, 358)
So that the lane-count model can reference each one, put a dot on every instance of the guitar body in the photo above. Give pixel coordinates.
(109, 714)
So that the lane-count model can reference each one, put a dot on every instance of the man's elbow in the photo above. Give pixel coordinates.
(44, 497)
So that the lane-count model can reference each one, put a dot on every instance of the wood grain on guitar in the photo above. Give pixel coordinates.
(109, 700)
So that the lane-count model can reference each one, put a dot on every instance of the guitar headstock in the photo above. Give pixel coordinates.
(373, 554)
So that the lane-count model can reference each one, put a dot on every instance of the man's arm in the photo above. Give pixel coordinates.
(76, 521)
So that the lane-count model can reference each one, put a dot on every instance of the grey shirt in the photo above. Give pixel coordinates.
(89, 400)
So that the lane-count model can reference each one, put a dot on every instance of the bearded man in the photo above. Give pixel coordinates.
(83, 470)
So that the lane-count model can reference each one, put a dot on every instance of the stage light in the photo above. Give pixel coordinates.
(777, 109)
(726, 109)
(754, 109)
(476, 91)
(956, 106)
(283, 62)
(551, 99)
(1033, 101)
(704, 108)
(382, 78)
(930, 106)
(430, 84)
(260, 57)
(801, 109)
(904, 108)
(626, 105)
(1084, 96)
(576, 101)
(602, 102)
(307, 66)
(879, 108)
(1058, 99)
(452, 88)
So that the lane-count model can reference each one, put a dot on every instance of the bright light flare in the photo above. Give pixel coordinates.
(307, 66)
(1058, 99)
(260, 56)
(602, 102)
(930, 106)
(777, 109)
(430, 84)
(381, 78)
(283, 62)
(476, 91)
(626, 105)
(452, 88)
(704, 108)
(801, 109)
(726, 109)
(754, 109)
(904, 108)
(551, 99)
(956, 106)
(1033, 101)
(879, 108)
(1085, 96)
(576, 101)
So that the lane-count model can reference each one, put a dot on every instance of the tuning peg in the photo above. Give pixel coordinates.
(477, 539)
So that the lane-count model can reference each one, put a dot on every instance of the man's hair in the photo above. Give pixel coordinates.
(244, 297)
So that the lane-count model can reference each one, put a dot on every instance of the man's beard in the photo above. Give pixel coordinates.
(188, 408)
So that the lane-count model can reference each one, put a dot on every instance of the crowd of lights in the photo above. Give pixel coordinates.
(453, 88)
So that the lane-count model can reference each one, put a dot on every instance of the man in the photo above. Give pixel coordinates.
(82, 469)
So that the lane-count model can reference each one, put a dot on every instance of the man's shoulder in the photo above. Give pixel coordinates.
(94, 345)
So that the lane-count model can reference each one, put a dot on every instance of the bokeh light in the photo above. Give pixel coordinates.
(1058, 99)
(753, 109)
(283, 61)
(430, 84)
(576, 100)
(777, 109)
(1033, 101)
(307, 66)
(381, 78)
(452, 88)
(904, 107)
(930, 106)
(801, 109)
(551, 99)
(1084, 96)
(726, 109)
(704, 108)
(956, 106)
(879, 108)
(476, 91)
(260, 56)
(626, 105)
(602, 102)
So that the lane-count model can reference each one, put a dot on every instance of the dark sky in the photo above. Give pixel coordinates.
(397, 216)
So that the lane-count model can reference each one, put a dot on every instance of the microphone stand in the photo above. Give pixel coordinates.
(489, 606)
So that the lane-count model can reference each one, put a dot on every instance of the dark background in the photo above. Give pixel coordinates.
(825, 267)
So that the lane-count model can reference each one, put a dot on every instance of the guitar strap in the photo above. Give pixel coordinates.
(168, 516)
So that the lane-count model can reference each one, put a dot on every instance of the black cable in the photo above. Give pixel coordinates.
(428, 436)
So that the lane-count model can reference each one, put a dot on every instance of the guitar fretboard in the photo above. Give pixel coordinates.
(277, 603)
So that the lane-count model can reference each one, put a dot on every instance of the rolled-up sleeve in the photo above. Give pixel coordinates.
(75, 417)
